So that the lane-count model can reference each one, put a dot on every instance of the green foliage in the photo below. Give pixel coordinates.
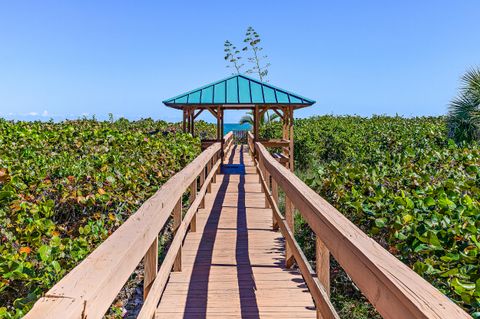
(65, 187)
(406, 185)
(464, 111)
(252, 41)
(267, 118)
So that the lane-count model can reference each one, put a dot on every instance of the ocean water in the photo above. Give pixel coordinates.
(228, 127)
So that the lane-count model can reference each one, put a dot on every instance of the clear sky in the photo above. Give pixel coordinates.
(72, 58)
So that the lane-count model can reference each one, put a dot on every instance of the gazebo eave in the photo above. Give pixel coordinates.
(236, 106)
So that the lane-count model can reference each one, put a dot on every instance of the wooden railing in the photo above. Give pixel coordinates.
(240, 136)
(394, 289)
(284, 146)
(90, 288)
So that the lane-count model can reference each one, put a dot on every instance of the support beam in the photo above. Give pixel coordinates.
(198, 113)
(278, 113)
(256, 120)
(177, 220)
(255, 127)
(322, 256)
(193, 195)
(275, 199)
(290, 219)
(290, 137)
(184, 121)
(219, 123)
(150, 262)
(214, 113)
(192, 119)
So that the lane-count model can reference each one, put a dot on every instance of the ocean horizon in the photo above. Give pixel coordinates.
(228, 127)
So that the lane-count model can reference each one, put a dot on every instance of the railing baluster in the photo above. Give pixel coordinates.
(193, 195)
(322, 256)
(289, 260)
(275, 198)
(267, 180)
(214, 160)
(150, 267)
(202, 181)
(209, 168)
(177, 220)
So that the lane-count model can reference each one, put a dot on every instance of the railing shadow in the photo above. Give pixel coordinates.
(197, 295)
(246, 282)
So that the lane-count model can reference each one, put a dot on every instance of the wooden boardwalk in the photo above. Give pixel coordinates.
(233, 266)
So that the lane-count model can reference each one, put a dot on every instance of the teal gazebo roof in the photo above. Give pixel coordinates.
(237, 91)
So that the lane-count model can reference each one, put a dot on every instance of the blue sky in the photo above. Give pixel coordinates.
(72, 58)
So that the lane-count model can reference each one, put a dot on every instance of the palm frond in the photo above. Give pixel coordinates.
(464, 110)
(246, 119)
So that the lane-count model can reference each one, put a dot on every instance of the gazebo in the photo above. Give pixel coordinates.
(240, 92)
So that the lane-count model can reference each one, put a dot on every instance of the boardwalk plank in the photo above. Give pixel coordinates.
(233, 265)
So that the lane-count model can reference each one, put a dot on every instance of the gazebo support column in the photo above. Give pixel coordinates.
(290, 137)
(287, 134)
(220, 130)
(256, 124)
(192, 122)
(184, 121)
(219, 123)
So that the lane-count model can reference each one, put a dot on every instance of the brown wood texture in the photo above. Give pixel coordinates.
(392, 287)
(177, 220)
(150, 264)
(322, 257)
(324, 307)
(157, 287)
(233, 265)
(90, 288)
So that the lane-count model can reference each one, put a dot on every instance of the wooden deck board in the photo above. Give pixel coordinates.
(233, 265)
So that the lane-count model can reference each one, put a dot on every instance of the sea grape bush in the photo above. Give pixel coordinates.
(405, 184)
(65, 187)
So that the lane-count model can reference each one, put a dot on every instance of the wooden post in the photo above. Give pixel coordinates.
(189, 119)
(192, 119)
(275, 198)
(289, 217)
(193, 195)
(202, 181)
(209, 168)
(267, 181)
(150, 268)
(184, 121)
(177, 220)
(284, 128)
(214, 178)
(256, 121)
(220, 131)
(322, 256)
(291, 138)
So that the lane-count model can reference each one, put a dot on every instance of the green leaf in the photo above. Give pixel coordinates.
(429, 201)
(44, 252)
(407, 218)
(380, 222)
(56, 266)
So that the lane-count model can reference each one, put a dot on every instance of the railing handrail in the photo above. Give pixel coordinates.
(392, 287)
(90, 288)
